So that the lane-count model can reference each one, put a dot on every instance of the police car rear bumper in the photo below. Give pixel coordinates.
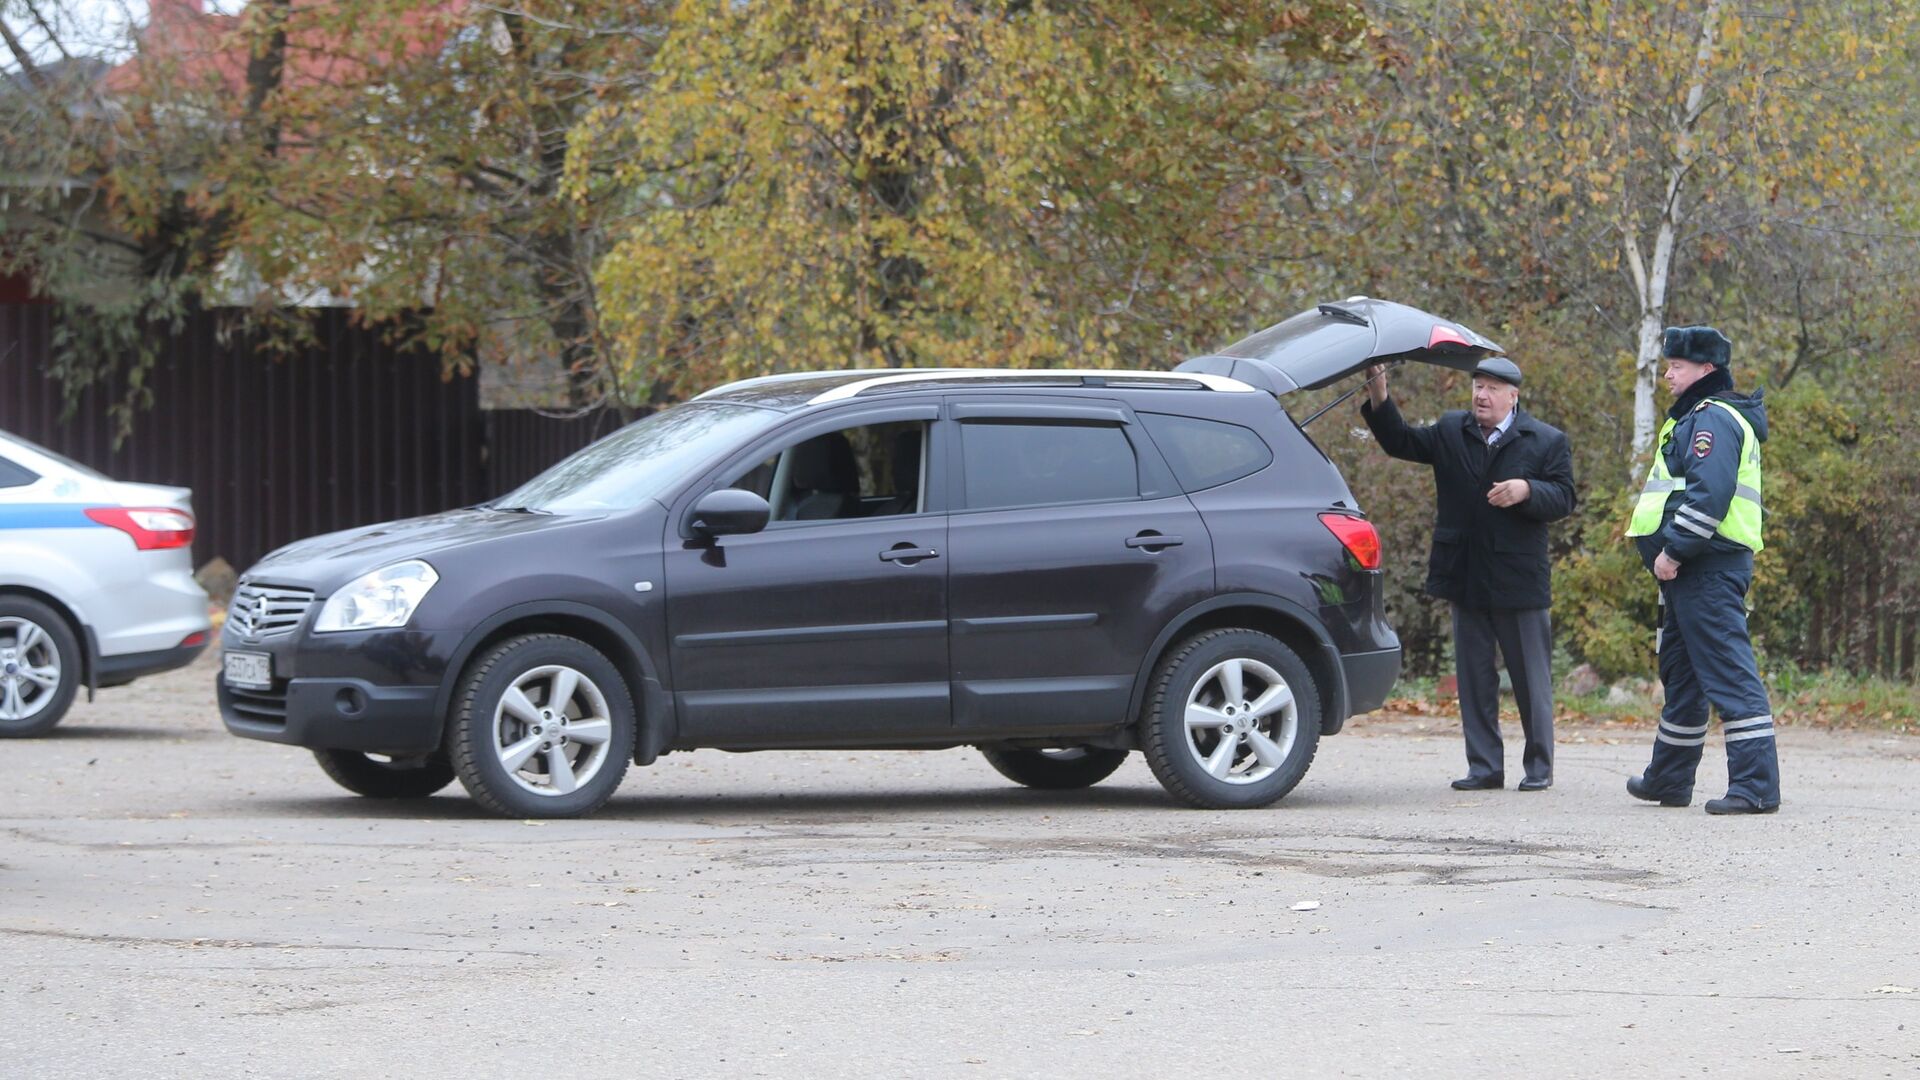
(123, 669)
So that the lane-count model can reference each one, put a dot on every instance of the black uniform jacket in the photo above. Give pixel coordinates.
(1483, 555)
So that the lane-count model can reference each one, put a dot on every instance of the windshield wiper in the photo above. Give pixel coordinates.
(518, 510)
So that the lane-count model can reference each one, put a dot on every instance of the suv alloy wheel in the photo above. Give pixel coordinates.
(542, 727)
(1233, 721)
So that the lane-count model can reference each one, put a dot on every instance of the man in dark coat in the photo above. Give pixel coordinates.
(1499, 476)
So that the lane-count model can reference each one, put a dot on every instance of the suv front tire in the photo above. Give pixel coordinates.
(386, 776)
(543, 727)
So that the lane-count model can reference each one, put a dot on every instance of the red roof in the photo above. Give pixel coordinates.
(185, 45)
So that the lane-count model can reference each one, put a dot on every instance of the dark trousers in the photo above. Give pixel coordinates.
(1525, 638)
(1707, 659)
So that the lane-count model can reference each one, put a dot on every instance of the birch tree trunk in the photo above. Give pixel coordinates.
(1650, 279)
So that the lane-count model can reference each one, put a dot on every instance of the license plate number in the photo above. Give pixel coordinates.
(253, 670)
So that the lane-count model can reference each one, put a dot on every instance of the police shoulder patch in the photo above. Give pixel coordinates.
(1702, 443)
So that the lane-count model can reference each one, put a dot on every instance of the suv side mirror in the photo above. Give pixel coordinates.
(729, 512)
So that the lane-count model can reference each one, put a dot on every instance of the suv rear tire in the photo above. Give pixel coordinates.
(35, 638)
(1232, 720)
(394, 778)
(542, 728)
(1054, 770)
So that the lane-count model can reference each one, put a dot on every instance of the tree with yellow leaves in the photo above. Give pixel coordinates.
(1587, 140)
(846, 183)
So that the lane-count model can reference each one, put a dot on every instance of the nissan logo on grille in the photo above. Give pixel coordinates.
(263, 611)
(246, 612)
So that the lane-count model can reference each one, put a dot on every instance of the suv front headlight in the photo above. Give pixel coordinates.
(386, 597)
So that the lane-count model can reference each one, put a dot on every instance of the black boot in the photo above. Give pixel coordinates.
(1639, 790)
(1734, 804)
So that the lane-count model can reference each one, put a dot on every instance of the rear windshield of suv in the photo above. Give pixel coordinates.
(1207, 453)
(641, 460)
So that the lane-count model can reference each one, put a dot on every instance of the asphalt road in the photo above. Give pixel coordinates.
(175, 902)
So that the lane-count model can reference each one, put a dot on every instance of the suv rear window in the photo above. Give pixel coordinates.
(1207, 453)
(1040, 464)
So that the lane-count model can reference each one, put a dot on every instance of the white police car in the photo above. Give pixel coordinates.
(96, 584)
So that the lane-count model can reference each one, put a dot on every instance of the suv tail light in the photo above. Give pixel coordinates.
(152, 527)
(1358, 536)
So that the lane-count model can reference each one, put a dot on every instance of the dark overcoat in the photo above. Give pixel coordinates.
(1485, 556)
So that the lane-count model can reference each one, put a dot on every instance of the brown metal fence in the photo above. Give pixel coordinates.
(1869, 621)
(350, 432)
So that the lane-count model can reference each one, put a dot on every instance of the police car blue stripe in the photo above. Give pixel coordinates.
(46, 516)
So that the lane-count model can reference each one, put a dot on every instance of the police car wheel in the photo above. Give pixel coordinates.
(1054, 769)
(39, 667)
(386, 777)
(1232, 720)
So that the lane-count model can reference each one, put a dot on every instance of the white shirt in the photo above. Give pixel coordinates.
(1500, 429)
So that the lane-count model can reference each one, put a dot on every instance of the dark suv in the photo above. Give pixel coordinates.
(1054, 566)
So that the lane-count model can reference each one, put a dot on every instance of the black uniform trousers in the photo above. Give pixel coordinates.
(1524, 636)
(1707, 658)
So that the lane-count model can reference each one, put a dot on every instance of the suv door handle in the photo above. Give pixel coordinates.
(1153, 541)
(908, 555)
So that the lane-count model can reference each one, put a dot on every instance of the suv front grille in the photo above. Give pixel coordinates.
(263, 611)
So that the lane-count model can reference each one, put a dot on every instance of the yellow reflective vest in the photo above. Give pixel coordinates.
(1742, 521)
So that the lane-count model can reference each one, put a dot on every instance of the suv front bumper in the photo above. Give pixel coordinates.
(336, 714)
(372, 691)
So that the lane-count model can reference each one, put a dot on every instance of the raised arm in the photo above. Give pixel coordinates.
(1397, 437)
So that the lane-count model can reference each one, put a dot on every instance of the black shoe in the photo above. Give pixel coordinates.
(1734, 804)
(1639, 790)
(1532, 784)
(1480, 783)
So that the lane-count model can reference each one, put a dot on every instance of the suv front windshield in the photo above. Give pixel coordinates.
(639, 461)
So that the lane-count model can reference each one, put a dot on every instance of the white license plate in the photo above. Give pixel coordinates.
(250, 669)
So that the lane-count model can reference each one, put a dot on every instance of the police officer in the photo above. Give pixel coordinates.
(1697, 524)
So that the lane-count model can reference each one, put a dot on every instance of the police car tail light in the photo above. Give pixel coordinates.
(1447, 335)
(153, 528)
(1359, 537)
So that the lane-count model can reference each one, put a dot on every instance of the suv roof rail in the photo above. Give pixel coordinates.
(785, 377)
(912, 379)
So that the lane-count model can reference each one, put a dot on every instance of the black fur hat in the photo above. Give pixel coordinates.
(1700, 344)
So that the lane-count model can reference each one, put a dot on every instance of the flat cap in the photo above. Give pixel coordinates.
(1499, 367)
